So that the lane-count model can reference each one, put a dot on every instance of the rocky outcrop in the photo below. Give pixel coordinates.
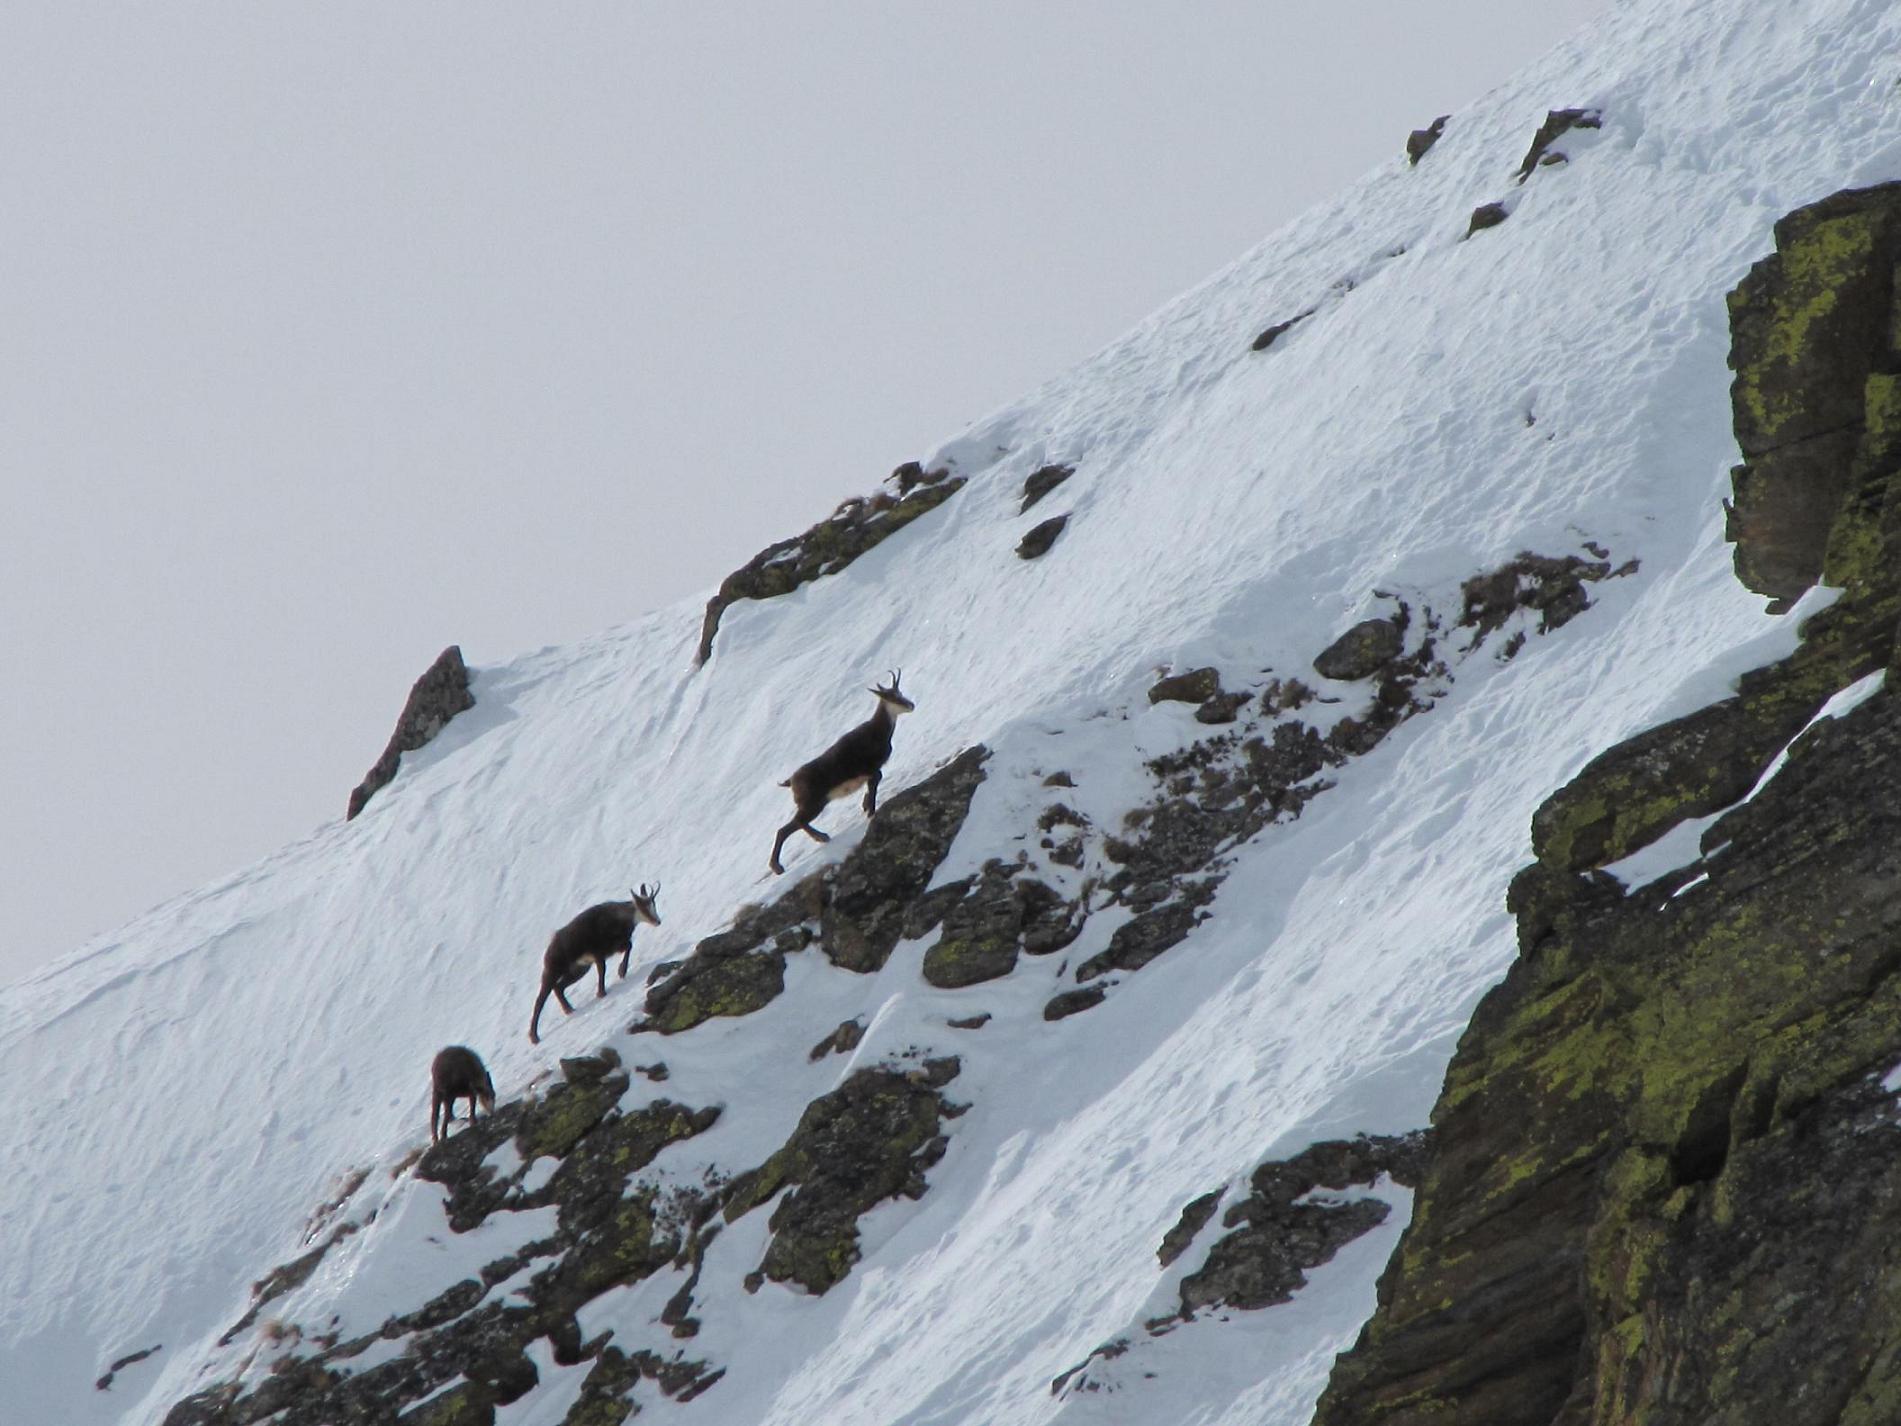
(1275, 331)
(856, 911)
(463, 1353)
(440, 694)
(1557, 123)
(1487, 215)
(1041, 482)
(1287, 1225)
(1666, 1139)
(869, 1140)
(1817, 404)
(857, 526)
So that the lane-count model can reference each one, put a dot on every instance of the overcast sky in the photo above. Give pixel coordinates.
(331, 334)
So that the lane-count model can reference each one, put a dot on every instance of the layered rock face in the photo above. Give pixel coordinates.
(1662, 1186)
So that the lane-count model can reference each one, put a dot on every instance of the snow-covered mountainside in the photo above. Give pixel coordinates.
(1235, 923)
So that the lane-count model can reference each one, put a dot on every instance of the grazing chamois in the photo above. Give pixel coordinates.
(457, 1073)
(591, 938)
(854, 761)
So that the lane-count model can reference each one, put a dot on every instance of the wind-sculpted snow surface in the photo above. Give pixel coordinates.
(183, 1093)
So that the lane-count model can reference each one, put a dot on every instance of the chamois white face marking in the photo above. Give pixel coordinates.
(896, 703)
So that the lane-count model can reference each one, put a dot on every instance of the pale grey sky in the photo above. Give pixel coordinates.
(331, 334)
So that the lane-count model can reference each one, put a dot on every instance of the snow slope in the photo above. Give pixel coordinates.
(182, 1093)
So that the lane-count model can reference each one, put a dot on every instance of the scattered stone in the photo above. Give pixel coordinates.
(1196, 686)
(657, 1071)
(1278, 330)
(1108, 1352)
(844, 1039)
(1222, 708)
(1074, 1002)
(440, 694)
(1557, 122)
(1487, 215)
(1038, 541)
(1059, 779)
(1042, 482)
(1420, 141)
(975, 1022)
(1361, 651)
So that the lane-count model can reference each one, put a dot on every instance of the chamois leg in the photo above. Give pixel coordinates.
(626, 956)
(561, 994)
(871, 793)
(435, 1114)
(600, 971)
(534, 1021)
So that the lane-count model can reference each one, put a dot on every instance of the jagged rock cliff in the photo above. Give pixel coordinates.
(1662, 1188)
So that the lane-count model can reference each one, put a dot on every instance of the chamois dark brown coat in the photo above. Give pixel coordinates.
(854, 761)
(592, 938)
(457, 1073)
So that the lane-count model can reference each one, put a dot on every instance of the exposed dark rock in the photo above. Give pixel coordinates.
(657, 1071)
(105, 1382)
(1000, 914)
(1194, 1218)
(1222, 708)
(869, 1140)
(1073, 1002)
(974, 1022)
(1420, 141)
(844, 1039)
(855, 527)
(869, 894)
(1280, 1232)
(1038, 541)
(606, 1236)
(1553, 586)
(1059, 779)
(440, 694)
(1558, 122)
(1280, 329)
(1107, 1352)
(1814, 398)
(1042, 482)
(1361, 651)
(1661, 1188)
(1137, 942)
(1195, 686)
(1487, 215)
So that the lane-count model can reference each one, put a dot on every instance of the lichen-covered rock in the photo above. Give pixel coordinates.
(1195, 1216)
(440, 694)
(999, 915)
(854, 528)
(1073, 1002)
(1667, 1133)
(869, 1140)
(1810, 346)
(1553, 586)
(1279, 1230)
(1361, 651)
(869, 895)
(464, 1352)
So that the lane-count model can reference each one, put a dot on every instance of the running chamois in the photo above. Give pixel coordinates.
(592, 938)
(457, 1073)
(854, 761)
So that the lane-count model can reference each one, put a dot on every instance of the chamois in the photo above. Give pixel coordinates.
(457, 1073)
(854, 761)
(591, 939)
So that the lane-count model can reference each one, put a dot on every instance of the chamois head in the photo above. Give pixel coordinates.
(644, 907)
(890, 699)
